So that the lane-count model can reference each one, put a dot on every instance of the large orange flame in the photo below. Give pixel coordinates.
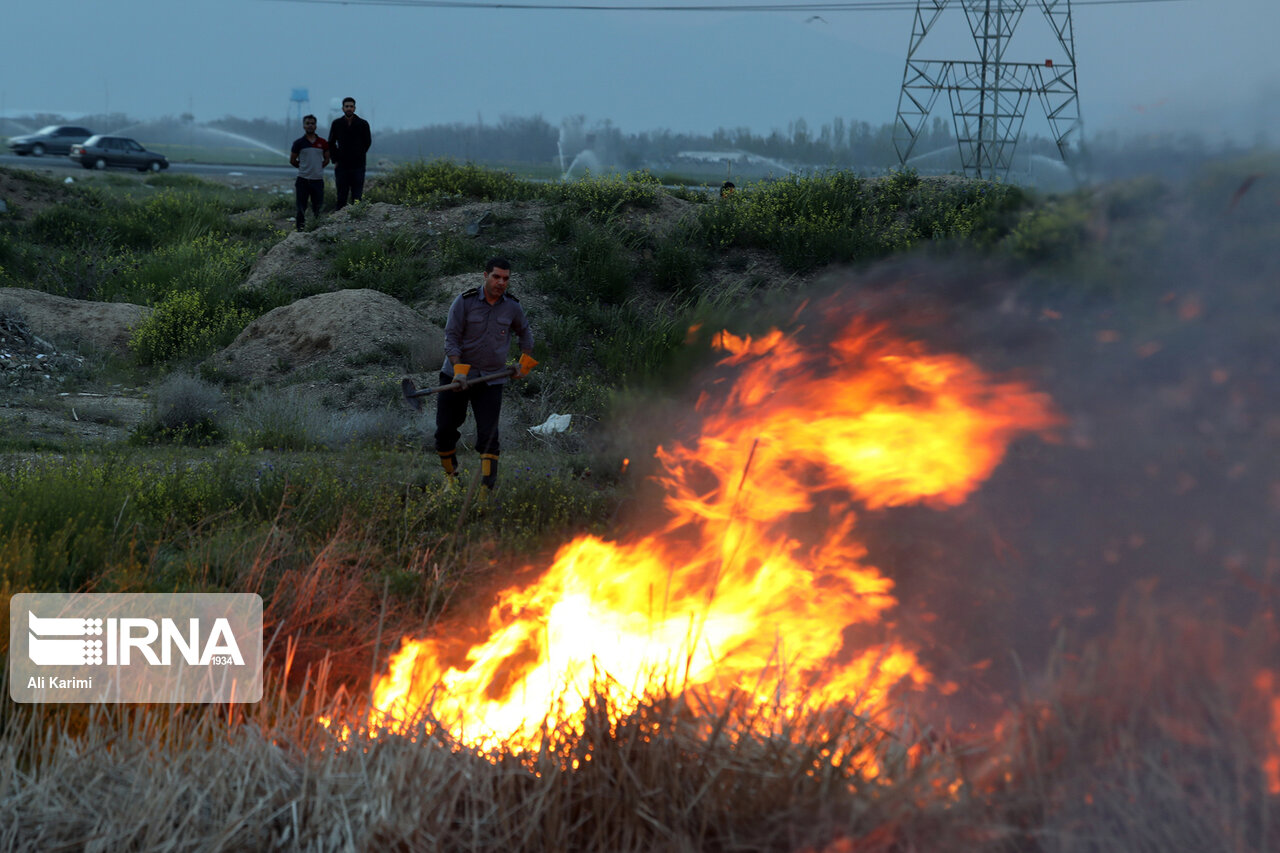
(753, 579)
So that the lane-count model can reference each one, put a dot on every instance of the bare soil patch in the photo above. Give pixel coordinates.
(26, 193)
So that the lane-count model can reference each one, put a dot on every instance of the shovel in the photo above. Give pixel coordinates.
(414, 395)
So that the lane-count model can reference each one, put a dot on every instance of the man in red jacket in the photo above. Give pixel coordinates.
(310, 154)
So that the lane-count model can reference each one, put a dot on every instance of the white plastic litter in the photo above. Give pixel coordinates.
(69, 181)
(552, 425)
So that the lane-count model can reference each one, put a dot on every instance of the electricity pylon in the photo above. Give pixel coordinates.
(989, 96)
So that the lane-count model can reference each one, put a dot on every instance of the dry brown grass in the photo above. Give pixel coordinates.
(1152, 739)
(265, 777)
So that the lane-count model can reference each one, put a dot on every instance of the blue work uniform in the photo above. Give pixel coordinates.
(478, 334)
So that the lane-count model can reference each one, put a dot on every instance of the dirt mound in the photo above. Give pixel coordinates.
(70, 322)
(26, 193)
(662, 218)
(302, 261)
(298, 260)
(327, 331)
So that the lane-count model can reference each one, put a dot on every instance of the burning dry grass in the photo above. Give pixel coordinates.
(661, 778)
(1154, 739)
(756, 570)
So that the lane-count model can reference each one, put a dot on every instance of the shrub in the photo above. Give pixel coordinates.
(273, 293)
(559, 223)
(9, 251)
(602, 198)
(896, 188)
(366, 429)
(185, 324)
(442, 182)
(213, 265)
(1048, 233)
(598, 265)
(1135, 197)
(456, 254)
(677, 265)
(621, 343)
(980, 212)
(71, 224)
(174, 181)
(285, 420)
(77, 272)
(762, 214)
(838, 217)
(104, 244)
(167, 217)
(359, 256)
(183, 400)
(185, 410)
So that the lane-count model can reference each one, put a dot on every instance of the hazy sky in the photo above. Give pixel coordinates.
(1212, 65)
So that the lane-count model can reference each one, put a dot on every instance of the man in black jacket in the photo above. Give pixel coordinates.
(349, 141)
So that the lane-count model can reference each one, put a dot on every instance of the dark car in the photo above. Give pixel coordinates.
(99, 152)
(54, 139)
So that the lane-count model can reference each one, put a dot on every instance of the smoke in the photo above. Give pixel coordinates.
(1155, 340)
(1157, 345)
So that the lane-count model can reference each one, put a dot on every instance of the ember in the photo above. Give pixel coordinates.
(750, 583)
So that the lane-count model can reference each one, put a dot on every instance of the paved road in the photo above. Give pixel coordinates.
(61, 165)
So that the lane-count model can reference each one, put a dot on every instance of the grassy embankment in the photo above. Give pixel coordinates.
(339, 534)
(621, 301)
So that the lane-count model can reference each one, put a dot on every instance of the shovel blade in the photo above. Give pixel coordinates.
(411, 393)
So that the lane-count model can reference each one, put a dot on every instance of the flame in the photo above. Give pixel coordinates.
(749, 584)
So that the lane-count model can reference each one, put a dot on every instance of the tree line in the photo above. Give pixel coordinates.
(841, 143)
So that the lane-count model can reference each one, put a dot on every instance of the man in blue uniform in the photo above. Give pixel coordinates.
(477, 337)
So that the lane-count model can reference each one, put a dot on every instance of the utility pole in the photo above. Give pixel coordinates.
(989, 95)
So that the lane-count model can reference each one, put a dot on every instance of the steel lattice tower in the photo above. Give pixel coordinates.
(989, 96)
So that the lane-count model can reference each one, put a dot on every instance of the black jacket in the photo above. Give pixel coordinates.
(349, 142)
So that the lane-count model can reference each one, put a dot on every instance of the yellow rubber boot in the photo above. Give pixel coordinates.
(489, 469)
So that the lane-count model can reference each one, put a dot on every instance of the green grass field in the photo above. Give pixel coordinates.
(1143, 310)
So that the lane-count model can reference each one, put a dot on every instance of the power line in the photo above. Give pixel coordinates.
(990, 94)
(864, 6)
